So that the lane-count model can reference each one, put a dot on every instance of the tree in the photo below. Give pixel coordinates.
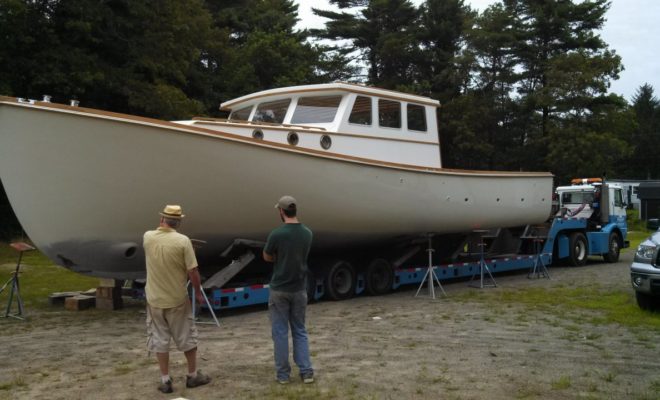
(119, 55)
(644, 162)
(383, 33)
(441, 36)
(564, 62)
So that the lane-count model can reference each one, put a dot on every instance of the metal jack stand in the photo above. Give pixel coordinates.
(539, 269)
(483, 266)
(15, 288)
(208, 304)
(430, 274)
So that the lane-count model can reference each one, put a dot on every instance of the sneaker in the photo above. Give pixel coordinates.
(198, 380)
(283, 381)
(166, 387)
(308, 378)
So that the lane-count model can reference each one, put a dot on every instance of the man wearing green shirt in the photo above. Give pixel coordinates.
(288, 247)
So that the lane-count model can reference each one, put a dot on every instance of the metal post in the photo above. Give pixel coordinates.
(483, 266)
(430, 273)
(538, 268)
(208, 304)
(15, 289)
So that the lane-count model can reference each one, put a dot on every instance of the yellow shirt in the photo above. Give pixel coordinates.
(169, 257)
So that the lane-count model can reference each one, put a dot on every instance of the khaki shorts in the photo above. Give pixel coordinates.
(174, 323)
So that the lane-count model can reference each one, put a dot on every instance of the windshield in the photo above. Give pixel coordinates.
(241, 115)
(316, 109)
(272, 111)
(577, 197)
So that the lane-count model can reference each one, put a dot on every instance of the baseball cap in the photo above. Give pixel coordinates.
(286, 202)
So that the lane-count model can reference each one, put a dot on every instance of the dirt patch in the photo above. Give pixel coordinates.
(474, 344)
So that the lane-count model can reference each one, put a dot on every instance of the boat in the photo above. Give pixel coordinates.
(364, 164)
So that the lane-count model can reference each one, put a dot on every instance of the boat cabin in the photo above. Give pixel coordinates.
(365, 123)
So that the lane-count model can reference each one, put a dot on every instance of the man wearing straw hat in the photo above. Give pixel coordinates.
(288, 247)
(171, 262)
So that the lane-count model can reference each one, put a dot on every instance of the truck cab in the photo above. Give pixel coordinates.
(600, 207)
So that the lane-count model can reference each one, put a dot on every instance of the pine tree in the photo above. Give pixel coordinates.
(383, 33)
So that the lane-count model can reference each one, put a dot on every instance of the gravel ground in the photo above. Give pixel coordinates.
(473, 344)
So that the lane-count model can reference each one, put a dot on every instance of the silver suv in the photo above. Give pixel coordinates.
(645, 273)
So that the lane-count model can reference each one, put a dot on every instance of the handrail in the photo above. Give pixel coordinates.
(225, 120)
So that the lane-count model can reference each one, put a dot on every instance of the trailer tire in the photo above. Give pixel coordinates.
(578, 249)
(614, 249)
(340, 280)
(379, 277)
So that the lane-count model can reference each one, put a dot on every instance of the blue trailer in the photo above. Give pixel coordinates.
(589, 220)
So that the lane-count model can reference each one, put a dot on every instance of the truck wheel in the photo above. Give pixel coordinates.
(577, 248)
(646, 301)
(612, 255)
(380, 277)
(340, 282)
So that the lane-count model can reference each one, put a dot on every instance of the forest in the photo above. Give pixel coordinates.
(523, 85)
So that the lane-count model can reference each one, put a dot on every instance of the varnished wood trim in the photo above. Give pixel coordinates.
(260, 123)
(188, 129)
(357, 89)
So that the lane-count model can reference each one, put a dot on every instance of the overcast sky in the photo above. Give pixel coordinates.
(632, 30)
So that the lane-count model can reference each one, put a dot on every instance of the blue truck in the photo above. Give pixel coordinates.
(588, 219)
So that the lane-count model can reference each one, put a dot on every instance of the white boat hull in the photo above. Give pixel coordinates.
(85, 187)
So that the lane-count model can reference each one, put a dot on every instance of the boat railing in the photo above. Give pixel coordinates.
(229, 121)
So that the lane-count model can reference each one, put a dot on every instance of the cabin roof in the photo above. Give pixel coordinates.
(342, 86)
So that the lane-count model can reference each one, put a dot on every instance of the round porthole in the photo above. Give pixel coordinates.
(326, 142)
(258, 134)
(292, 138)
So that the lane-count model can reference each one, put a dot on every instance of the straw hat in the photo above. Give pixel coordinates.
(172, 211)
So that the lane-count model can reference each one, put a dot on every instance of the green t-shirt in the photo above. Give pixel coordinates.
(290, 244)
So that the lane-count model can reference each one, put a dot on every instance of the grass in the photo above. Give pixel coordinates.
(610, 306)
(637, 231)
(39, 277)
(564, 382)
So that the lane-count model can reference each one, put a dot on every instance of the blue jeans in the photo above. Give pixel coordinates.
(288, 309)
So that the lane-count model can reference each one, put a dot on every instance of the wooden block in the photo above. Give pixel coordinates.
(114, 303)
(59, 297)
(79, 302)
(108, 292)
(105, 282)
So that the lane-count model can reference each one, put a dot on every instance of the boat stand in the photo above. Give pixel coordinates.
(208, 304)
(430, 274)
(13, 282)
(483, 266)
(539, 269)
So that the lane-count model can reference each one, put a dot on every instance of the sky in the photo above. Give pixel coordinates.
(632, 30)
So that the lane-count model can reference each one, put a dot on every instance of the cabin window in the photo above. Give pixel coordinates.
(241, 114)
(416, 118)
(273, 111)
(316, 109)
(361, 113)
(389, 113)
